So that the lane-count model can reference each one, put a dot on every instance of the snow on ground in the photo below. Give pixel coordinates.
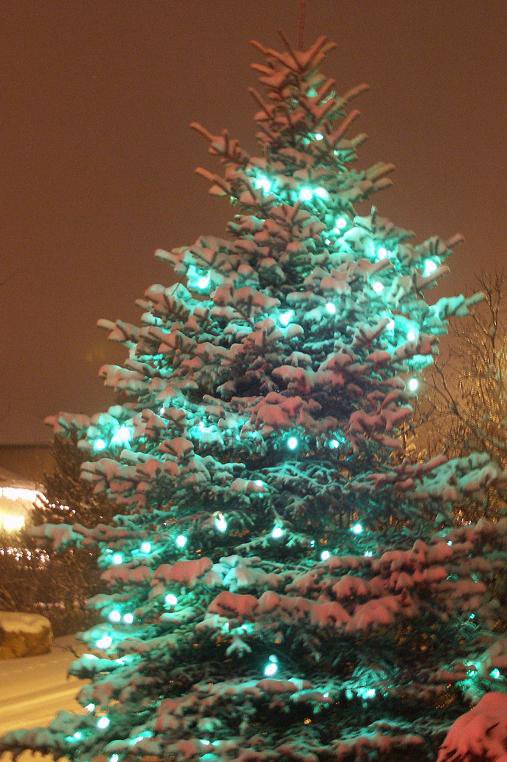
(33, 689)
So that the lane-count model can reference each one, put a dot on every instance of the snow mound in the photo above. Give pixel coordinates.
(24, 634)
(480, 734)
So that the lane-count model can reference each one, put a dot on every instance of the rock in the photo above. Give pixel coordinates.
(24, 634)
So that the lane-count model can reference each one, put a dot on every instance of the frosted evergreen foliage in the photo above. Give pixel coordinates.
(281, 585)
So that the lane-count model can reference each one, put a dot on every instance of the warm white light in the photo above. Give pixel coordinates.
(104, 642)
(19, 493)
(325, 555)
(378, 286)
(292, 443)
(11, 522)
(117, 559)
(99, 444)
(181, 541)
(145, 547)
(413, 384)
(128, 618)
(319, 136)
(331, 308)
(103, 723)
(90, 708)
(170, 599)
(114, 616)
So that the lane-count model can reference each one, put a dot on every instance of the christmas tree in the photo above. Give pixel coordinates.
(282, 585)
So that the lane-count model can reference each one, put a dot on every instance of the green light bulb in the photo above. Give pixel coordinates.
(292, 443)
(181, 541)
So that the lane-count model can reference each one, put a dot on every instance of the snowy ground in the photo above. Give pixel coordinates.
(34, 689)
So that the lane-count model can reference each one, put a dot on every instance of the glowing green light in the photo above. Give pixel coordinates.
(170, 599)
(429, 267)
(181, 541)
(382, 252)
(114, 616)
(220, 522)
(411, 335)
(122, 436)
(104, 642)
(90, 708)
(77, 735)
(286, 317)
(292, 443)
(306, 194)
(322, 193)
(271, 667)
(356, 528)
(377, 286)
(472, 616)
(117, 558)
(145, 547)
(341, 223)
(325, 555)
(333, 444)
(495, 674)
(276, 533)
(114, 758)
(128, 618)
(368, 554)
(99, 445)
(413, 384)
(103, 723)
(366, 693)
(331, 308)
(262, 183)
(390, 325)
(203, 281)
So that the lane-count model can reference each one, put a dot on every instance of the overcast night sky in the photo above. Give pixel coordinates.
(98, 161)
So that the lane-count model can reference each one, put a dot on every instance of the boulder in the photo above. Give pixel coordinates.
(24, 634)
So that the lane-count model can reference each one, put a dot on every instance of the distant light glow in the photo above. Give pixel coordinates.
(114, 758)
(11, 522)
(77, 735)
(411, 335)
(90, 708)
(366, 693)
(286, 317)
(128, 618)
(382, 252)
(104, 642)
(271, 667)
(114, 616)
(145, 547)
(333, 444)
(117, 558)
(99, 444)
(276, 533)
(325, 555)
(356, 528)
(413, 384)
(377, 286)
(103, 723)
(495, 674)
(170, 599)
(341, 223)
(306, 194)
(181, 541)
(319, 136)
(331, 308)
(292, 443)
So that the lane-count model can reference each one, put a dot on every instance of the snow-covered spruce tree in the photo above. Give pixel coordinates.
(280, 588)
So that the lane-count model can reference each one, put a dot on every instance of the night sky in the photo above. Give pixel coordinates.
(98, 158)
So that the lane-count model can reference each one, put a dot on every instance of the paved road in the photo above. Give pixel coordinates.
(34, 689)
